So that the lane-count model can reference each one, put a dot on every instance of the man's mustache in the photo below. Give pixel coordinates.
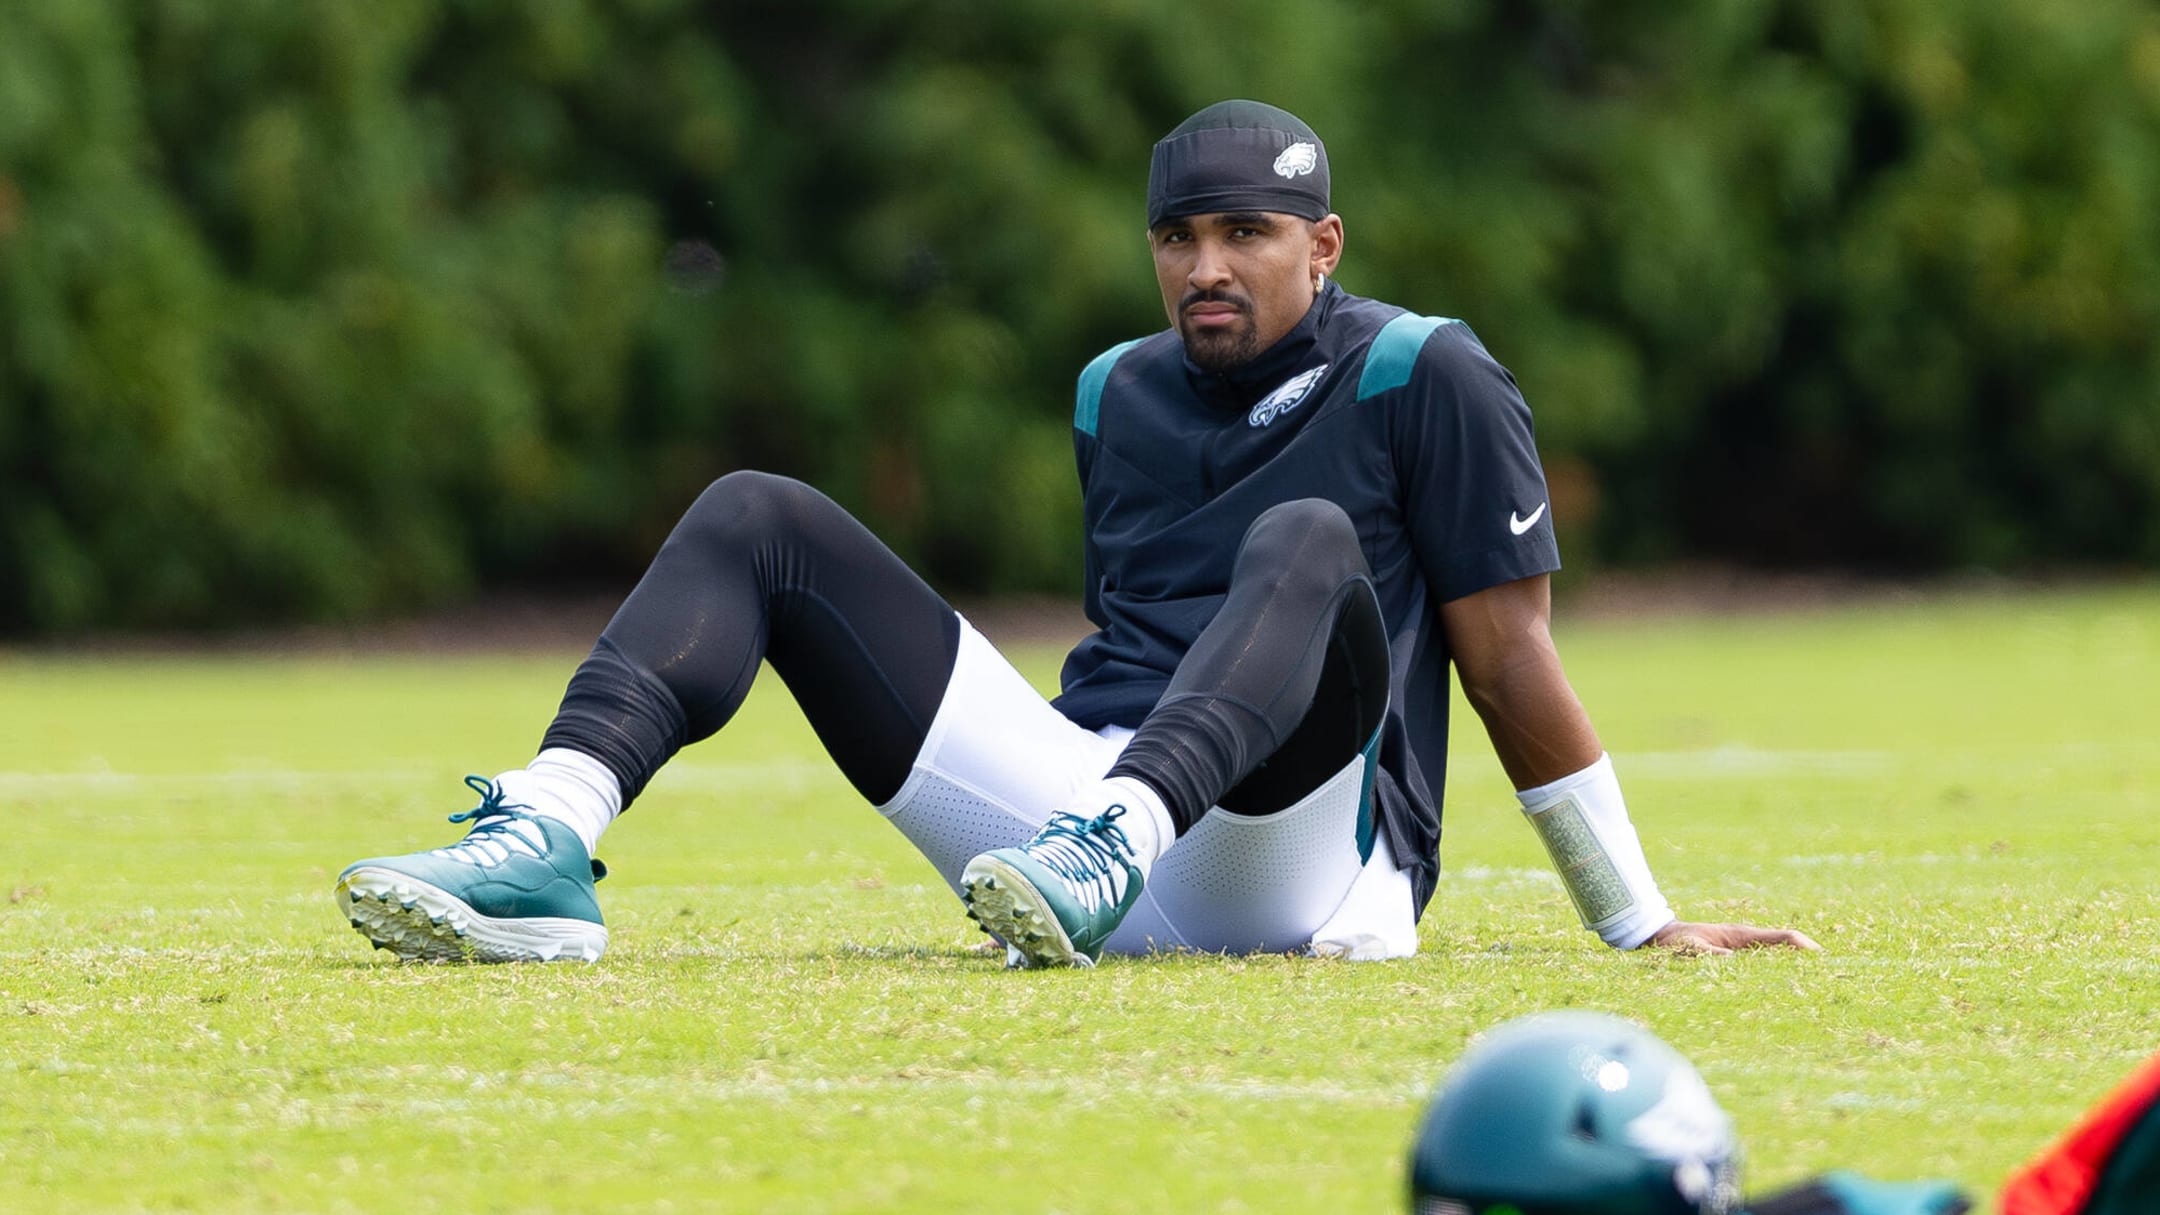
(1238, 302)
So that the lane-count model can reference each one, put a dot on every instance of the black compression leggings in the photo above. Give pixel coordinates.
(1279, 692)
(766, 567)
(1284, 686)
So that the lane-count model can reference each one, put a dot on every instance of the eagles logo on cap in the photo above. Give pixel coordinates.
(1297, 160)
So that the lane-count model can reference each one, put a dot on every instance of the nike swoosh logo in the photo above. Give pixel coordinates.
(1519, 525)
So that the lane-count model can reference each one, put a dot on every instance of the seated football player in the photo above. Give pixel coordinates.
(1302, 508)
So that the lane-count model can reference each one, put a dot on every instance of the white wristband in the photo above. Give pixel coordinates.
(1583, 822)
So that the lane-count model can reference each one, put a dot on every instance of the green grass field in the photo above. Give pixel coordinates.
(1960, 800)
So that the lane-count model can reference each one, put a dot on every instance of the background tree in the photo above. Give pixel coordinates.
(319, 310)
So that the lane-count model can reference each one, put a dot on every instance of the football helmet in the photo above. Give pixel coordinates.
(1574, 1113)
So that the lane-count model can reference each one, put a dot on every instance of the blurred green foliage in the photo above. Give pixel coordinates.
(323, 310)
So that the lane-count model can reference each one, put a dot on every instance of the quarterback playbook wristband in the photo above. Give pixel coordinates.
(1584, 825)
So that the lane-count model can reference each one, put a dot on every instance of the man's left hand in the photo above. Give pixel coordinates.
(1694, 939)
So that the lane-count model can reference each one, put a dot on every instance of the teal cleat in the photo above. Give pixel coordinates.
(518, 888)
(1056, 899)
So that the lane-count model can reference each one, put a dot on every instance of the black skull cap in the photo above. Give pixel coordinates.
(1238, 156)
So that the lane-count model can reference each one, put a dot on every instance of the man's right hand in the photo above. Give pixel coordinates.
(1686, 938)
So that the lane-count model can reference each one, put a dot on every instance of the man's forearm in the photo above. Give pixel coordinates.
(1565, 781)
(1511, 674)
(1538, 727)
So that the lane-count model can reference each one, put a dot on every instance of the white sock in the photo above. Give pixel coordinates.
(570, 787)
(1146, 820)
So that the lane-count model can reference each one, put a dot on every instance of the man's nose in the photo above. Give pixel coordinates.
(1211, 270)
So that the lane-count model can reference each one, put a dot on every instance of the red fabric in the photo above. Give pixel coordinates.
(2059, 1180)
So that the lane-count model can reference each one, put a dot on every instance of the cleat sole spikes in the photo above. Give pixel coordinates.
(1007, 906)
(420, 923)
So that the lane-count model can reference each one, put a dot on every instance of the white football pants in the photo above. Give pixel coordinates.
(999, 761)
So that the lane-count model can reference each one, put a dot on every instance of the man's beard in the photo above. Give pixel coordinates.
(1220, 350)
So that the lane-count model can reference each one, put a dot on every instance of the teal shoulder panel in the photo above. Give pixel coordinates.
(1088, 402)
(1394, 352)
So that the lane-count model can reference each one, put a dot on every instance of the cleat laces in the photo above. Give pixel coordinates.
(499, 828)
(1091, 855)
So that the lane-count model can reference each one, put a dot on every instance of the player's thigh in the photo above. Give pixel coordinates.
(998, 760)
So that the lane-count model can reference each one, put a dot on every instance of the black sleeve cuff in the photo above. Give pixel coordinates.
(1470, 573)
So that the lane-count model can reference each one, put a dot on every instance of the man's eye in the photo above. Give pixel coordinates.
(1176, 238)
(1245, 232)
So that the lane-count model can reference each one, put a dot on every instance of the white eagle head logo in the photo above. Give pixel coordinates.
(1687, 1129)
(1286, 396)
(1297, 160)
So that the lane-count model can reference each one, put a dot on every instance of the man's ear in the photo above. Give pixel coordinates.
(1327, 247)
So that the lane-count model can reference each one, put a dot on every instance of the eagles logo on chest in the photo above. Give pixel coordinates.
(1286, 396)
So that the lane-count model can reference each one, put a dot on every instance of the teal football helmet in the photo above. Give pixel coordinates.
(1574, 1113)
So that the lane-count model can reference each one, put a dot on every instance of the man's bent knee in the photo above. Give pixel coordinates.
(755, 506)
(1302, 539)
